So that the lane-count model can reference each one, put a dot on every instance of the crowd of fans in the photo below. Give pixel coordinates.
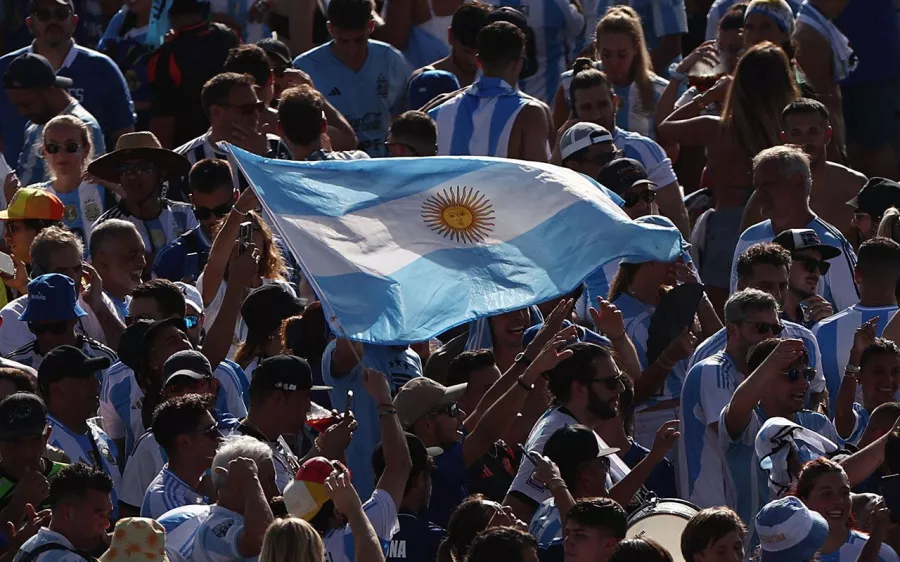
(170, 387)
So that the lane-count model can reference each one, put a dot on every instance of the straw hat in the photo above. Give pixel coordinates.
(137, 538)
(142, 145)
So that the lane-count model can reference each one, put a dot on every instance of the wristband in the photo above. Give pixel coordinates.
(521, 382)
(520, 358)
(851, 370)
(391, 412)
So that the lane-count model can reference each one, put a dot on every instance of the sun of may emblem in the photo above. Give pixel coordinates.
(462, 214)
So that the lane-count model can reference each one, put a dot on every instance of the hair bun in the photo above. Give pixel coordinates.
(582, 64)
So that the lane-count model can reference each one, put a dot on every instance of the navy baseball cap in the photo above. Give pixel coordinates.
(30, 71)
(430, 84)
(51, 297)
(623, 173)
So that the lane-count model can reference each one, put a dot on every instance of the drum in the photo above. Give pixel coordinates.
(663, 520)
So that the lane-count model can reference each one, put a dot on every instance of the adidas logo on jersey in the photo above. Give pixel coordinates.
(334, 92)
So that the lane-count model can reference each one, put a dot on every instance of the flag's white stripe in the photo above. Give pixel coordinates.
(481, 126)
(384, 238)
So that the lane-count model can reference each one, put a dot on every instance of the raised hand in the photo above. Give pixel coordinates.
(681, 347)
(666, 437)
(608, 319)
(865, 336)
(377, 385)
(552, 324)
(342, 493)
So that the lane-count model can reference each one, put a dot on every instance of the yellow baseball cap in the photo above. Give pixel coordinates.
(33, 203)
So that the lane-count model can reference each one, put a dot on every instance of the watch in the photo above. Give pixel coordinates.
(520, 358)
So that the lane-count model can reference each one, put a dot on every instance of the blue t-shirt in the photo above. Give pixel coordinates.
(416, 541)
(98, 85)
(171, 261)
(662, 478)
(449, 484)
(368, 98)
(871, 28)
(131, 53)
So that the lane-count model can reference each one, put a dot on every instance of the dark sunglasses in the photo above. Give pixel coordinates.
(766, 328)
(632, 199)
(135, 168)
(191, 321)
(212, 432)
(55, 328)
(611, 383)
(812, 264)
(249, 108)
(451, 410)
(69, 147)
(795, 373)
(59, 14)
(203, 213)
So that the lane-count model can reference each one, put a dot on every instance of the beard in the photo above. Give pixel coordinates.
(600, 408)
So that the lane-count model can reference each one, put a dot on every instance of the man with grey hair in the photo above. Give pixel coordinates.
(119, 255)
(782, 179)
(751, 316)
(244, 476)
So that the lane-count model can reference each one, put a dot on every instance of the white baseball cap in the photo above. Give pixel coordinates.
(191, 296)
(581, 136)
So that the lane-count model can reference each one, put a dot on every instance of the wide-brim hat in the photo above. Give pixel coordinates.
(142, 145)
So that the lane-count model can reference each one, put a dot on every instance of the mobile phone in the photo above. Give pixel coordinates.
(532, 456)
(7, 267)
(192, 266)
(245, 235)
(890, 489)
(349, 402)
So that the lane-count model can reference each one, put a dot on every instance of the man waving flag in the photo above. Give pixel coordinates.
(399, 250)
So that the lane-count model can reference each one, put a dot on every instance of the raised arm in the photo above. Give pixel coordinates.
(257, 514)
(397, 462)
(221, 247)
(346, 500)
(844, 419)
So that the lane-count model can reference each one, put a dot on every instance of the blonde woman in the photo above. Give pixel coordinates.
(621, 53)
(291, 540)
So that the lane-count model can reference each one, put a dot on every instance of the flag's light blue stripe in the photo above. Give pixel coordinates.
(464, 127)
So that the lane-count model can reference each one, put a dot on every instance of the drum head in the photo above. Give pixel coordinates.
(663, 521)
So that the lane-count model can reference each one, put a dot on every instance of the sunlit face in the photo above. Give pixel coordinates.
(755, 328)
(88, 518)
(804, 274)
(52, 23)
(785, 395)
(144, 308)
(59, 140)
(122, 261)
(616, 51)
(582, 543)
(730, 44)
(772, 279)
(18, 238)
(865, 225)
(830, 497)
(809, 131)
(169, 341)
(604, 389)
(597, 105)
(241, 106)
(880, 379)
(759, 27)
(729, 548)
(778, 193)
(351, 45)
(140, 180)
(507, 329)
(210, 208)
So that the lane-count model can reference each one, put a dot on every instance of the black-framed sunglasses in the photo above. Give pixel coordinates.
(203, 213)
(451, 410)
(191, 321)
(212, 432)
(138, 168)
(611, 383)
(766, 328)
(795, 373)
(44, 15)
(249, 108)
(55, 328)
(68, 147)
(632, 199)
(812, 264)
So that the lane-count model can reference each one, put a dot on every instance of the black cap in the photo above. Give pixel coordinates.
(131, 344)
(573, 445)
(22, 414)
(187, 364)
(266, 307)
(30, 70)
(797, 239)
(154, 328)
(876, 196)
(275, 48)
(33, 5)
(66, 361)
(518, 19)
(283, 372)
(623, 173)
(418, 454)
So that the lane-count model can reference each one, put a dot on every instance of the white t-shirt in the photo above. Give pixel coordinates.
(15, 334)
(217, 538)
(46, 536)
(382, 514)
(142, 467)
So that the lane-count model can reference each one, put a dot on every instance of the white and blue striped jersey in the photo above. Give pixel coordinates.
(708, 388)
(719, 340)
(252, 30)
(546, 524)
(646, 151)
(216, 540)
(175, 219)
(835, 335)
(558, 27)
(121, 400)
(837, 286)
(748, 482)
(28, 354)
(850, 550)
(860, 422)
(381, 513)
(637, 318)
(479, 120)
(167, 492)
(46, 536)
(719, 7)
(181, 525)
(630, 114)
(94, 448)
(368, 98)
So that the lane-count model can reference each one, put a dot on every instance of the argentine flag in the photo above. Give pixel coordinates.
(401, 249)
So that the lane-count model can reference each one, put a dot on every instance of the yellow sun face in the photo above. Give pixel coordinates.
(462, 214)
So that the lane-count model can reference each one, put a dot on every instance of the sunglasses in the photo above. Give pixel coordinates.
(44, 15)
(212, 432)
(632, 199)
(191, 321)
(812, 264)
(69, 147)
(795, 373)
(204, 213)
(611, 383)
(766, 328)
(249, 108)
(138, 168)
(451, 410)
(55, 328)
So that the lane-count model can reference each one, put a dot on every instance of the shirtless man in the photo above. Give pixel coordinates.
(464, 27)
(807, 125)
